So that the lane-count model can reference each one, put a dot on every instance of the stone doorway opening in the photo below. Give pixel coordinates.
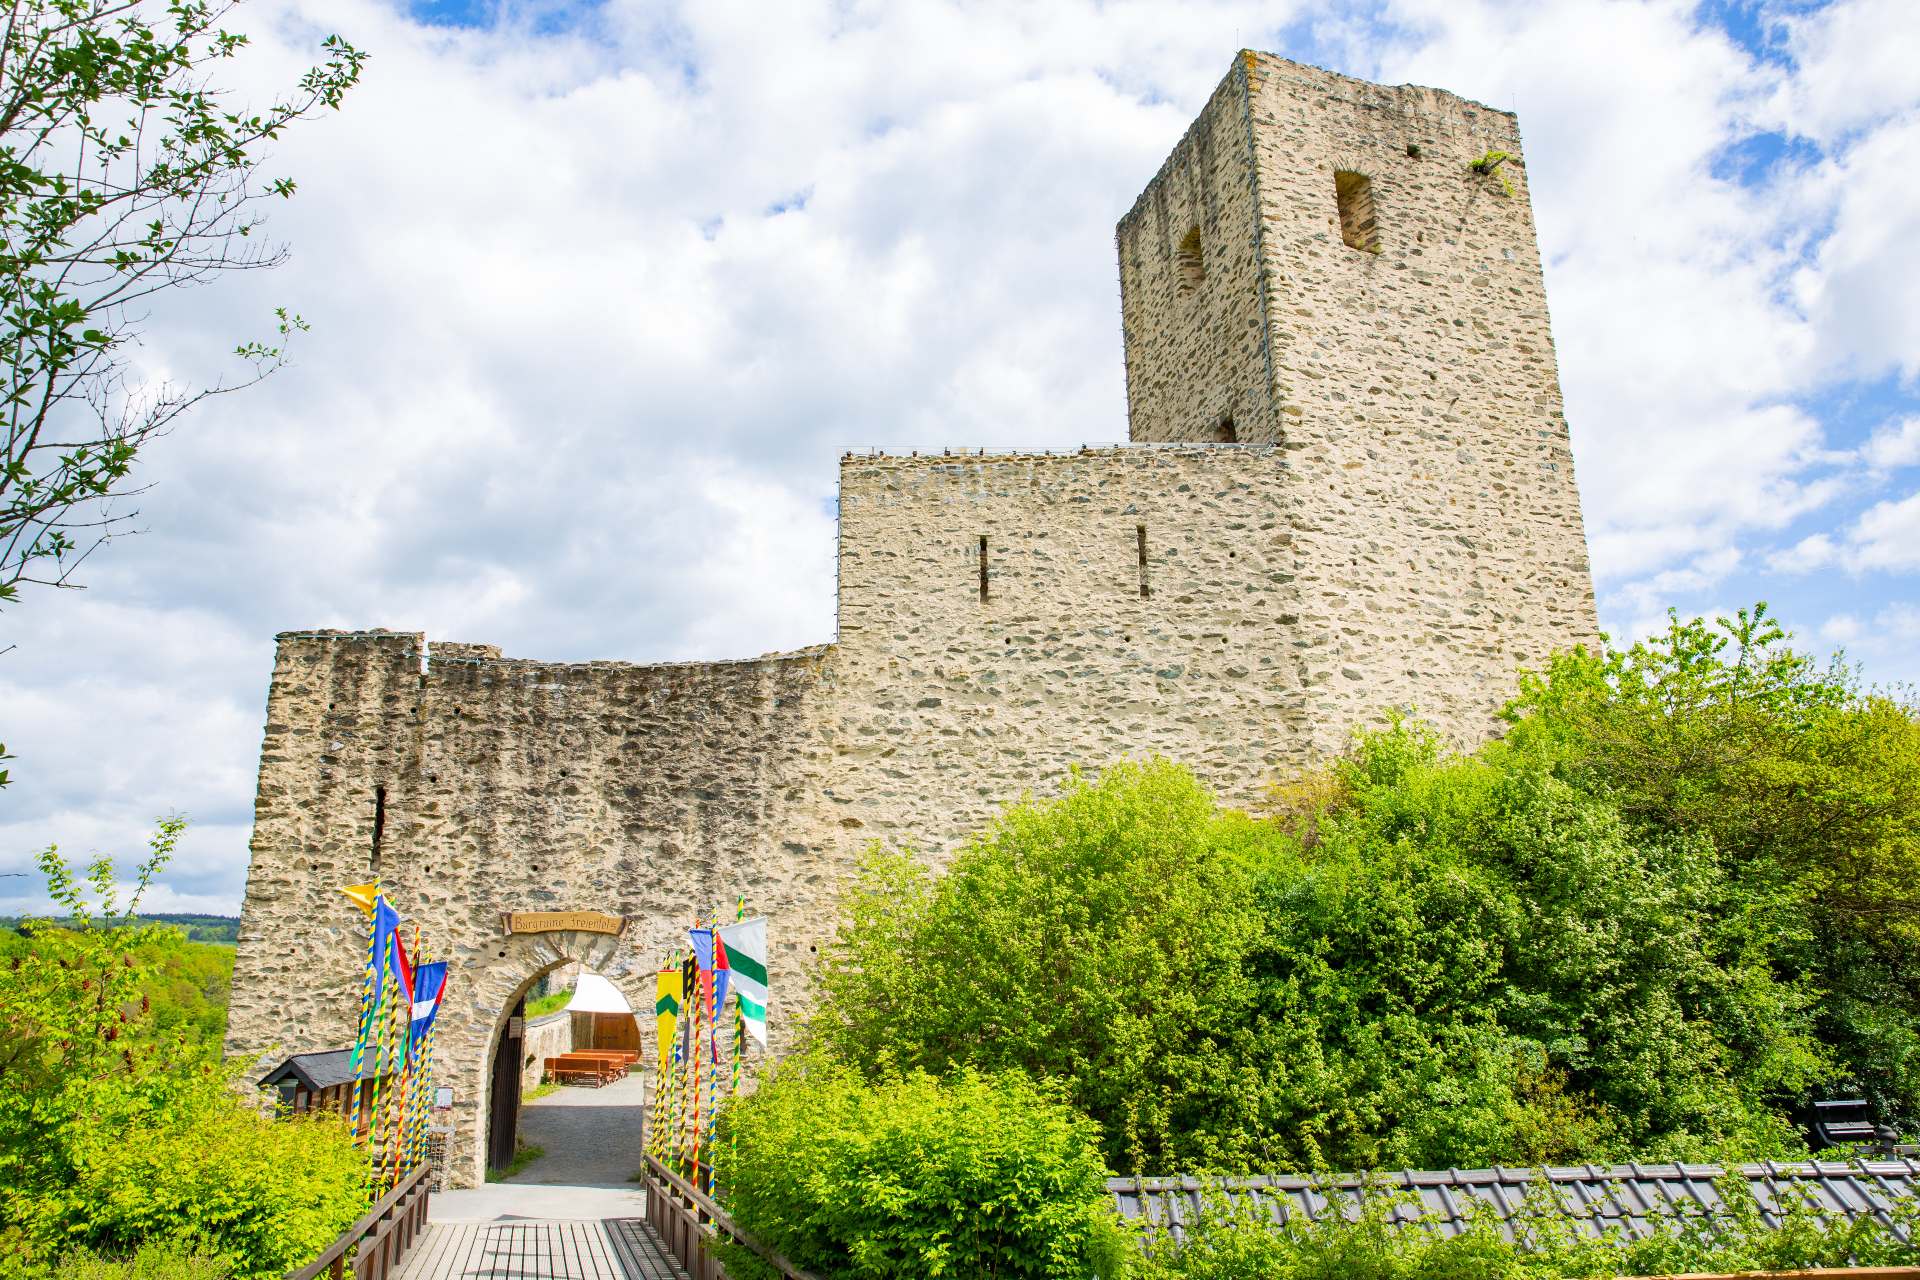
(567, 1089)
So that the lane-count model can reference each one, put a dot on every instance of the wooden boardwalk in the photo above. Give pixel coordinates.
(540, 1249)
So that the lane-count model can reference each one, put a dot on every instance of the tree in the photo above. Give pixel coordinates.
(123, 175)
(1795, 775)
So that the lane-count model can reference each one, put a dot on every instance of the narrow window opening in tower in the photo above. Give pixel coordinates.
(1354, 193)
(1140, 539)
(1224, 431)
(379, 825)
(983, 568)
(1190, 262)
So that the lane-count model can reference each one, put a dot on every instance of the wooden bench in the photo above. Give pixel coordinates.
(581, 1067)
(620, 1058)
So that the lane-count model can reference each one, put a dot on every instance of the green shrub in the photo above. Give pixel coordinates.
(148, 1262)
(1095, 940)
(1433, 962)
(1799, 780)
(114, 1136)
(1478, 965)
(910, 1176)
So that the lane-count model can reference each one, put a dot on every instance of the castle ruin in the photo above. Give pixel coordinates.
(1348, 489)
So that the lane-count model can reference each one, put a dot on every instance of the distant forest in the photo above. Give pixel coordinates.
(199, 928)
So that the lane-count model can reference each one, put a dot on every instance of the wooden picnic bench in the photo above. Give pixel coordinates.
(582, 1067)
(620, 1058)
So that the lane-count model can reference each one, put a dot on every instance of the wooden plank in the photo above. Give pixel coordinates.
(568, 1249)
(460, 1259)
(599, 1249)
(646, 1254)
(424, 1258)
(365, 1226)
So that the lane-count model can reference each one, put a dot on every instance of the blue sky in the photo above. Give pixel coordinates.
(599, 291)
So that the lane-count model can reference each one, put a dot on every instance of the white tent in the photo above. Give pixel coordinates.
(595, 994)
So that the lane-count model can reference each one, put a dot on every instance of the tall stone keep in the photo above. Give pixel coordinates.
(1349, 271)
(1348, 492)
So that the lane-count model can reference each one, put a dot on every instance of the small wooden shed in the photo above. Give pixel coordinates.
(324, 1081)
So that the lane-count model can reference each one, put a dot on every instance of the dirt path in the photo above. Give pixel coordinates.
(592, 1137)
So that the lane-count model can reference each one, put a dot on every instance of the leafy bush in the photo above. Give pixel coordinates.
(1445, 962)
(1239, 1240)
(148, 1262)
(1478, 965)
(1801, 782)
(114, 1136)
(910, 1176)
(184, 983)
(1096, 941)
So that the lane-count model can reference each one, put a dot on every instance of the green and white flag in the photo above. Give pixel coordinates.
(746, 945)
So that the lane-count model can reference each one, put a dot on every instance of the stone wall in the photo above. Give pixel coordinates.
(547, 1036)
(946, 706)
(650, 792)
(1398, 527)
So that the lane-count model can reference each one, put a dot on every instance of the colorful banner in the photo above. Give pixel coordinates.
(400, 997)
(746, 945)
(702, 1042)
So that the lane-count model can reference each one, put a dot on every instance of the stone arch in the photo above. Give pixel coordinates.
(502, 976)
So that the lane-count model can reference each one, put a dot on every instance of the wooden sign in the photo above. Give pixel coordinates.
(557, 921)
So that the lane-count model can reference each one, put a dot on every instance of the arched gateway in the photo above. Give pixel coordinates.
(1348, 495)
(498, 991)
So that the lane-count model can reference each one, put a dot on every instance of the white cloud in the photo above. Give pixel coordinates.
(1887, 643)
(1856, 290)
(1856, 65)
(1815, 551)
(1647, 597)
(576, 388)
(1896, 444)
(1886, 537)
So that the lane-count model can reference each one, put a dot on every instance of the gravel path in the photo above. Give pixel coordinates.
(592, 1136)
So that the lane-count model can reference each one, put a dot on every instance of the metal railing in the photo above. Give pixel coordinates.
(382, 1237)
(691, 1226)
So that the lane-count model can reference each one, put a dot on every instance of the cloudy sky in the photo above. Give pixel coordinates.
(598, 293)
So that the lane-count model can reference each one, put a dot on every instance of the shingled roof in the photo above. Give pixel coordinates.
(1629, 1198)
(316, 1071)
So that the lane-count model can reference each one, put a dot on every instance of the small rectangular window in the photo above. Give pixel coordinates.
(1140, 539)
(1354, 194)
(1190, 262)
(983, 568)
(379, 826)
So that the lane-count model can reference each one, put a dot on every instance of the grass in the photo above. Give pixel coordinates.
(523, 1155)
(549, 1003)
(539, 1091)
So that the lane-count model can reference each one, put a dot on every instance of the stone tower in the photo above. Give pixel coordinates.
(1349, 271)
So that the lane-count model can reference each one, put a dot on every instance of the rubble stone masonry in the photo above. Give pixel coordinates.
(1395, 524)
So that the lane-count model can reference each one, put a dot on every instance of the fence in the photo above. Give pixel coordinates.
(691, 1226)
(382, 1237)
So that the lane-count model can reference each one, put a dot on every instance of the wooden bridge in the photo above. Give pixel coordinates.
(610, 1249)
(677, 1239)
